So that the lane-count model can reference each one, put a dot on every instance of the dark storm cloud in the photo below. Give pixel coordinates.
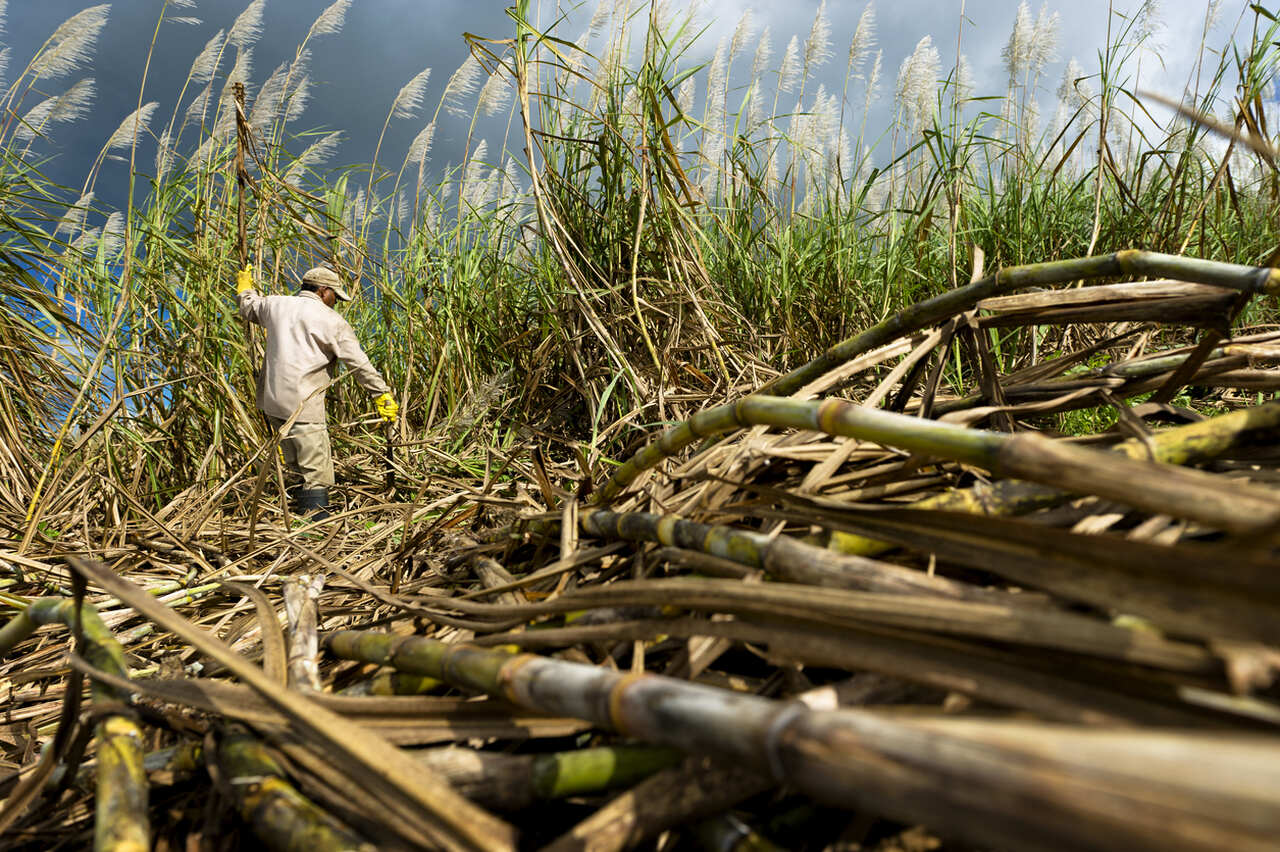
(386, 42)
(356, 73)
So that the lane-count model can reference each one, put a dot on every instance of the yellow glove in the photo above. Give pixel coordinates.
(244, 280)
(386, 405)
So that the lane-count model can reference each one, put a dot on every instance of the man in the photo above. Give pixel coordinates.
(306, 338)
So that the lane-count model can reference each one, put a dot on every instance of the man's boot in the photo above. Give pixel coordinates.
(313, 503)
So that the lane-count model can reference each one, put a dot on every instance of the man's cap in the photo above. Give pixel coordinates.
(323, 276)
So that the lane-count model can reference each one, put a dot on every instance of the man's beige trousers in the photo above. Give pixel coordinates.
(306, 452)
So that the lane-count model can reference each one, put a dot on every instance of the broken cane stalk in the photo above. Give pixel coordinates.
(121, 823)
(1015, 784)
(1157, 488)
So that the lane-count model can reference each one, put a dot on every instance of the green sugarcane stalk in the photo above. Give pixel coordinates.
(781, 557)
(592, 770)
(121, 822)
(516, 781)
(281, 817)
(393, 683)
(716, 421)
(1013, 784)
(1157, 488)
(1128, 380)
(1181, 445)
(695, 789)
(1247, 279)
(1040, 627)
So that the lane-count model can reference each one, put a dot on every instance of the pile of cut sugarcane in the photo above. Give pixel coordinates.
(853, 610)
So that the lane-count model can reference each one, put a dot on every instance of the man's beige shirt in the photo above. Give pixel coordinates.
(305, 341)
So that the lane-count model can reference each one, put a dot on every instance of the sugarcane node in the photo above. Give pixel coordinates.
(617, 700)
(509, 678)
(777, 729)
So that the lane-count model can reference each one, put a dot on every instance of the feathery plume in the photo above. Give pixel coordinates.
(1074, 91)
(401, 212)
(1213, 14)
(199, 106)
(71, 44)
(1017, 50)
(817, 47)
(844, 158)
(331, 20)
(789, 72)
(473, 177)
(575, 57)
(164, 156)
(266, 106)
(764, 52)
(917, 83)
(247, 28)
(3, 10)
(826, 115)
(963, 83)
(225, 122)
(204, 154)
(72, 222)
(356, 212)
(509, 189)
(1148, 22)
(68, 106)
(206, 64)
(494, 96)
(823, 136)
(686, 93)
(4, 62)
(113, 233)
(1030, 122)
(691, 28)
(600, 17)
(492, 187)
(717, 79)
(571, 63)
(431, 219)
(755, 106)
(315, 155)
(297, 98)
(741, 33)
(186, 20)
(661, 16)
(464, 83)
(242, 70)
(873, 82)
(137, 123)
(631, 111)
(611, 67)
(286, 91)
(409, 99)
(1044, 40)
(421, 145)
(82, 243)
(713, 119)
(183, 4)
(864, 38)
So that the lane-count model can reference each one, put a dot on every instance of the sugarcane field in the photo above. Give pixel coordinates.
(673, 426)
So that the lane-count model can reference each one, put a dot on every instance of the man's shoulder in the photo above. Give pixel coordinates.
(315, 311)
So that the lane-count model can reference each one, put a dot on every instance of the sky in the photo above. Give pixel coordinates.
(384, 43)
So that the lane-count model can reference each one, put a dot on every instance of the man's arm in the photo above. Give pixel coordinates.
(347, 350)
